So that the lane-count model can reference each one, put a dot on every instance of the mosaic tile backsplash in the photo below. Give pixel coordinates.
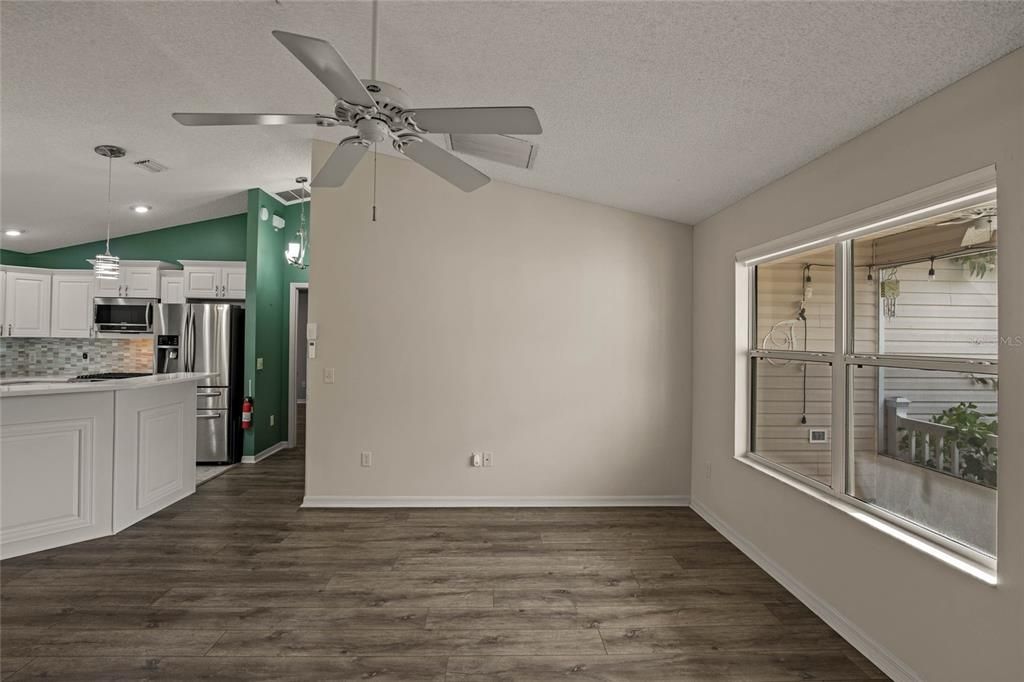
(65, 357)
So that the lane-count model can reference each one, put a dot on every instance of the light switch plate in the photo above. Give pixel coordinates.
(366, 459)
(328, 375)
(259, 363)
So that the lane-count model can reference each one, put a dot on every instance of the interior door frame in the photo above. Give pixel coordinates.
(293, 349)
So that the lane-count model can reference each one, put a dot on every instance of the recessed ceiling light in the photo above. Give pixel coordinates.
(141, 208)
(14, 233)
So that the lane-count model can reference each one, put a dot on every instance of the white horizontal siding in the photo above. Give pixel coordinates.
(953, 315)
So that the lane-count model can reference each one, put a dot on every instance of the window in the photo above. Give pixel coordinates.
(873, 366)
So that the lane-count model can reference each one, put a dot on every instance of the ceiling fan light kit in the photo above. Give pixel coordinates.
(381, 112)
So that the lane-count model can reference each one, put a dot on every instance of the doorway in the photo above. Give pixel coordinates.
(297, 366)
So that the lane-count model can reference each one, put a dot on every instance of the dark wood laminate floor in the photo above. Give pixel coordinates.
(237, 582)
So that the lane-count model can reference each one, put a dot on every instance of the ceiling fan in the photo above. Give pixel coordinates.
(380, 112)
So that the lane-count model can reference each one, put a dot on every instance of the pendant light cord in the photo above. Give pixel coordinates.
(373, 214)
(110, 171)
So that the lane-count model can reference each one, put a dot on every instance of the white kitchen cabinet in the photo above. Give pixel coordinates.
(141, 282)
(27, 302)
(71, 304)
(233, 279)
(56, 470)
(138, 279)
(108, 288)
(154, 450)
(214, 279)
(172, 287)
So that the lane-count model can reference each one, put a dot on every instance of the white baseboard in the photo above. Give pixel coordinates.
(276, 447)
(885, 660)
(428, 501)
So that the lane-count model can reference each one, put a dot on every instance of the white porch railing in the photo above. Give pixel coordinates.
(927, 440)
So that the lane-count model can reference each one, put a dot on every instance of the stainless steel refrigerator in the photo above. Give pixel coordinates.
(206, 337)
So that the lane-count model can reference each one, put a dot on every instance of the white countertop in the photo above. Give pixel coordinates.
(21, 386)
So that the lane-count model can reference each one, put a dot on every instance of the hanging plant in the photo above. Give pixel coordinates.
(979, 264)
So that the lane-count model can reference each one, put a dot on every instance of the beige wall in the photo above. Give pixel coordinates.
(941, 623)
(552, 332)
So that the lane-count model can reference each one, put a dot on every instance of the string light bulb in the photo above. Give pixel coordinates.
(931, 269)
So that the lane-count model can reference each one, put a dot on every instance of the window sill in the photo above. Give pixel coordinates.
(976, 569)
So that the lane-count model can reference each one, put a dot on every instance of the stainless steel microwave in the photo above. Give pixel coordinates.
(123, 315)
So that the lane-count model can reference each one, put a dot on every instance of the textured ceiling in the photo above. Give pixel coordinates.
(670, 109)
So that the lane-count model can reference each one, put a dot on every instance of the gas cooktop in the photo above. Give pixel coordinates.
(105, 376)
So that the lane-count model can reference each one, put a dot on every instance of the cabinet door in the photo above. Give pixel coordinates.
(141, 282)
(233, 281)
(172, 288)
(27, 309)
(202, 282)
(109, 288)
(71, 306)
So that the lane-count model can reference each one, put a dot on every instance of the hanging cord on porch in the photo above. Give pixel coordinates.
(802, 315)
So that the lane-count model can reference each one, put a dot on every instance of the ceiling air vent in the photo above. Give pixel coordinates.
(501, 148)
(150, 165)
(290, 196)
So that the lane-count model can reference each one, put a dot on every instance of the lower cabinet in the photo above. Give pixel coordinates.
(78, 466)
(56, 469)
(154, 450)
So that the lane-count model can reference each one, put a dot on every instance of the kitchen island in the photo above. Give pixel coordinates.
(84, 460)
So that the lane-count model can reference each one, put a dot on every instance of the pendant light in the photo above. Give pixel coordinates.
(106, 266)
(295, 254)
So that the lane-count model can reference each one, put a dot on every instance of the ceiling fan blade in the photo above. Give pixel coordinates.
(320, 57)
(500, 120)
(242, 119)
(447, 165)
(341, 163)
(510, 151)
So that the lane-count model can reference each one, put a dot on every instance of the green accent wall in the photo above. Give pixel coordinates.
(216, 239)
(265, 317)
(8, 257)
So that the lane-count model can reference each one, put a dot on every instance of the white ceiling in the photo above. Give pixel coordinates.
(671, 109)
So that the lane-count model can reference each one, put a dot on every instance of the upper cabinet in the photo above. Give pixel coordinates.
(71, 304)
(27, 302)
(138, 279)
(214, 279)
(172, 287)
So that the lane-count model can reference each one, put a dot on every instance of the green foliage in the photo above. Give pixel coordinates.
(971, 431)
(979, 264)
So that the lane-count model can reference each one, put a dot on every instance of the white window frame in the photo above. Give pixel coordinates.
(942, 198)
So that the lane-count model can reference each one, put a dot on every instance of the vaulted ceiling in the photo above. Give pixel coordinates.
(672, 109)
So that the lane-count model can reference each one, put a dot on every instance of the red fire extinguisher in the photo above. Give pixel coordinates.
(247, 413)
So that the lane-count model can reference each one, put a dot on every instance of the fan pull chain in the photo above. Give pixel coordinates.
(373, 212)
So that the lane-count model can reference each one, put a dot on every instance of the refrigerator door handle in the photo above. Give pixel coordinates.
(192, 343)
(209, 416)
(187, 341)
